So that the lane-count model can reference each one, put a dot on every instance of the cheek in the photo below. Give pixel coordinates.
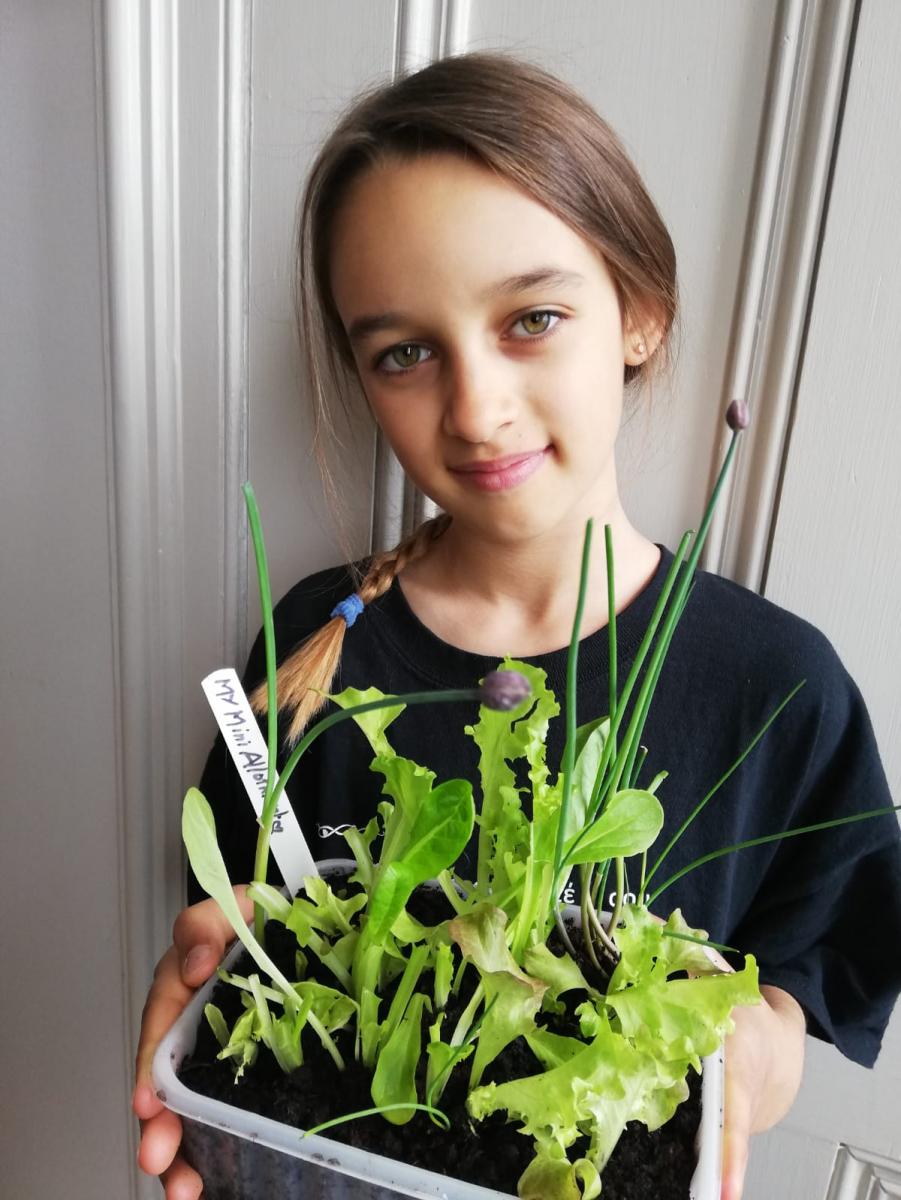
(385, 415)
(584, 391)
(406, 426)
(584, 426)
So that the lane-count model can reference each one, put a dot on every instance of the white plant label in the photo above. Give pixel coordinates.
(250, 754)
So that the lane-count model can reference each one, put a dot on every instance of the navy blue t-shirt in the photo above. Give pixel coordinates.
(821, 912)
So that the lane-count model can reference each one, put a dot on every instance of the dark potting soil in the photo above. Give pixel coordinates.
(644, 1166)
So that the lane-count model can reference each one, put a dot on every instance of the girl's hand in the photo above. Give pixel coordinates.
(200, 936)
(764, 1060)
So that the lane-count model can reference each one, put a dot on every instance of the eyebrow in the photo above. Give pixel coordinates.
(545, 277)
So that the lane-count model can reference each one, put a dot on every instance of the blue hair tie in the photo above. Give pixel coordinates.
(349, 608)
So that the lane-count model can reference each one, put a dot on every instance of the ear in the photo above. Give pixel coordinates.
(642, 334)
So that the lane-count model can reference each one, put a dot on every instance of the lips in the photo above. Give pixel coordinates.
(496, 464)
(499, 474)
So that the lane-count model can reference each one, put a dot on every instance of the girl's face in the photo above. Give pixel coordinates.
(488, 340)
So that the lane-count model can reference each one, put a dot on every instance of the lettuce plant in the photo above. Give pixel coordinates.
(642, 1000)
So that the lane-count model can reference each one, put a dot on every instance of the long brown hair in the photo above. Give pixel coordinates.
(529, 128)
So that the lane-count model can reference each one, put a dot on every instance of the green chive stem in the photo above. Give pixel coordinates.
(620, 890)
(597, 894)
(374, 1112)
(672, 616)
(689, 937)
(569, 752)
(599, 791)
(611, 626)
(719, 783)
(772, 837)
(261, 860)
(446, 697)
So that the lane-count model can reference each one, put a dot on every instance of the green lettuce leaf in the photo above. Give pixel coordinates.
(434, 839)
(394, 1081)
(598, 1089)
(553, 1049)
(643, 941)
(561, 974)
(443, 965)
(683, 1019)
(242, 1043)
(360, 842)
(442, 1059)
(502, 738)
(590, 742)
(551, 1176)
(372, 723)
(217, 1023)
(600, 1084)
(512, 997)
(198, 829)
(628, 825)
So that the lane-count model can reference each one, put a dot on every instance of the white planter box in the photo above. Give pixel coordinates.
(248, 1157)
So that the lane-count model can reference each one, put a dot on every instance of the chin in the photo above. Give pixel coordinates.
(512, 528)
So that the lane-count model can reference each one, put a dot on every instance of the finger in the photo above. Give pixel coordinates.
(736, 1133)
(160, 1139)
(718, 961)
(201, 934)
(144, 1102)
(735, 1165)
(167, 997)
(182, 1182)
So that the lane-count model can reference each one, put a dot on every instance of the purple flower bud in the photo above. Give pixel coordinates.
(503, 690)
(737, 415)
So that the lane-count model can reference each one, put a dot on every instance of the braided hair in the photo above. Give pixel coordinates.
(305, 677)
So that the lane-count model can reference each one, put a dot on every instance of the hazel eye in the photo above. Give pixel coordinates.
(542, 318)
(405, 357)
(400, 359)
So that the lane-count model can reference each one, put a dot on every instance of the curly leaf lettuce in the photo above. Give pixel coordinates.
(561, 974)
(598, 1089)
(683, 1019)
(676, 1019)
(513, 998)
(502, 738)
(375, 722)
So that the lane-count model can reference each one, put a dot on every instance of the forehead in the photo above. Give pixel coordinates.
(444, 228)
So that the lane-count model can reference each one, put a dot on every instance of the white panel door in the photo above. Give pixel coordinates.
(835, 559)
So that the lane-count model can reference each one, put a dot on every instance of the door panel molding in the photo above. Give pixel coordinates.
(178, 303)
(236, 60)
(812, 49)
(859, 1175)
(142, 314)
(426, 30)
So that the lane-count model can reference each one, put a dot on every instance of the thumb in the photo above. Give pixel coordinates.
(167, 997)
(735, 1165)
(201, 935)
(736, 1138)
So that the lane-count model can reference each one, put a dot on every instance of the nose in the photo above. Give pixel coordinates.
(479, 399)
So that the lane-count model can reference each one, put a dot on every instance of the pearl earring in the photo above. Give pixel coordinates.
(640, 348)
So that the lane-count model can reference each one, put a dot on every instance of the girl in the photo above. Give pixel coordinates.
(480, 263)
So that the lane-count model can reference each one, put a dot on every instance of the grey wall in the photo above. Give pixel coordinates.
(65, 1130)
